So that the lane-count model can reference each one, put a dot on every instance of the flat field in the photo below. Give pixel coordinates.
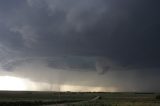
(32, 98)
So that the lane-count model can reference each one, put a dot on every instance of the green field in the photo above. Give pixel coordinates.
(26, 98)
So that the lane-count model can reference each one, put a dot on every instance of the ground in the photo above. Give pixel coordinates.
(24, 98)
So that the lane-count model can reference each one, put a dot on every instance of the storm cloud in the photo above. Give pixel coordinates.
(110, 38)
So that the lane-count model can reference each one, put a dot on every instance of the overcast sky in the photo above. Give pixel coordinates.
(110, 44)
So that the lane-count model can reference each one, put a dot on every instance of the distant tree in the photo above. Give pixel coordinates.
(158, 97)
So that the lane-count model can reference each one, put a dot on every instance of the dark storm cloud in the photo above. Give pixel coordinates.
(127, 32)
(82, 35)
(51, 28)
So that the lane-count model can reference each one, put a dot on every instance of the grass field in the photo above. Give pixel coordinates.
(25, 98)
(123, 99)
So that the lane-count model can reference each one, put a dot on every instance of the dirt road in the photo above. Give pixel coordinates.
(64, 104)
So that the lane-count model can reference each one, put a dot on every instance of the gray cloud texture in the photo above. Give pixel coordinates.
(107, 36)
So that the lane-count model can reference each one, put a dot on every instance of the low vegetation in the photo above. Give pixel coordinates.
(78, 99)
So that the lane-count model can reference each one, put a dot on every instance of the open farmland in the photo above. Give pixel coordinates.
(27, 98)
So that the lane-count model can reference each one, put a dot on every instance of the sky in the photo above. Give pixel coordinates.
(81, 45)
